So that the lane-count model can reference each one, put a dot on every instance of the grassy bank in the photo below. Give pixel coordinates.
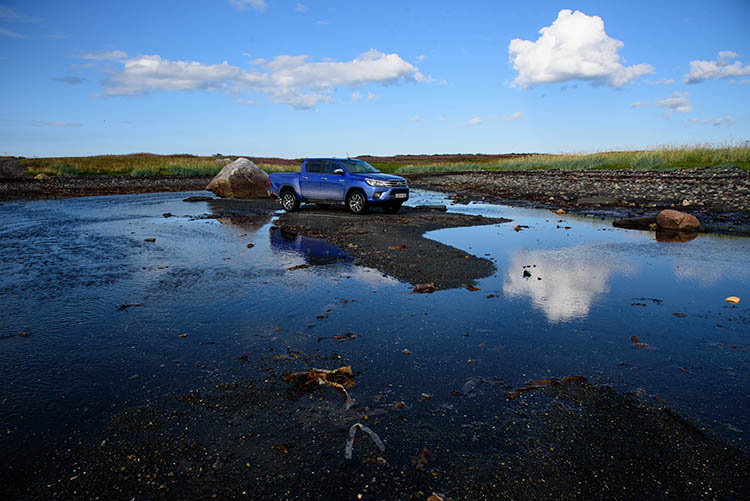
(146, 164)
(657, 159)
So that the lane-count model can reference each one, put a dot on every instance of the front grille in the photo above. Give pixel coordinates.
(396, 183)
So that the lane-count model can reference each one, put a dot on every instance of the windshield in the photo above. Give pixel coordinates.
(358, 166)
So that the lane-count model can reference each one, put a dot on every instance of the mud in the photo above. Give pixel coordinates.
(395, 244)
(247, 439)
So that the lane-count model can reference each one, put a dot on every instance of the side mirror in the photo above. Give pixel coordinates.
(338, 172)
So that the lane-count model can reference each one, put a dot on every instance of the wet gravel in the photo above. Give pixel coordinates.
(247, 438)
(720, 197)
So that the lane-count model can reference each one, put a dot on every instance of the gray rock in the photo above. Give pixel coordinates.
(240, 179)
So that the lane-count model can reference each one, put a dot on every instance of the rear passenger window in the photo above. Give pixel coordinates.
(314, 166)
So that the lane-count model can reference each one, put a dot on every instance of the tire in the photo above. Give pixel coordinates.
(356, 202)
(289, 200)
(392, 209)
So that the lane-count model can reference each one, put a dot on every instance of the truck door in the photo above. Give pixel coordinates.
(332, 185)
(309, 181)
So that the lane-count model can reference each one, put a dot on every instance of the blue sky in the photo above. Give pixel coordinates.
(304, 78)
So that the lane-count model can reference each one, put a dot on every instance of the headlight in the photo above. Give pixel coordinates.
(376, 182)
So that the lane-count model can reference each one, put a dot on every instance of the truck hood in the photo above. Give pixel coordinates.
(384, 177)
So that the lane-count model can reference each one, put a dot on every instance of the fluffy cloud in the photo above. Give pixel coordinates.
(13, 16)
(107, 55)
(42, 123)
(678, 102)
(513, 116)
(70, 80)
(715, 121)
(479, 120)
(725, 66)
(301, 7)
(149, 73)
(291, 80)
(574, 47)
(663, 81)
(639, 104)
(10, 34)
(243, 4)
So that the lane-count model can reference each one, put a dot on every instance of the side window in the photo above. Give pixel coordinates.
(331, 166)
(314, 166)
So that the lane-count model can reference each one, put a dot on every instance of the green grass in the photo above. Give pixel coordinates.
(139, 164)
(147, 164)
(657, 159)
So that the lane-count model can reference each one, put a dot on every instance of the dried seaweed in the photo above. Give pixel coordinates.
(308, 381)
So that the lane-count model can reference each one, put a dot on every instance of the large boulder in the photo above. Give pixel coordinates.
(240, 179)
(669, 219)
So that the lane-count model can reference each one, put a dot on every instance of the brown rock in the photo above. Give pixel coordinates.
(670, 219)
(240, 179)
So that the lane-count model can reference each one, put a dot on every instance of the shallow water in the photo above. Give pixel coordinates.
(96, 319)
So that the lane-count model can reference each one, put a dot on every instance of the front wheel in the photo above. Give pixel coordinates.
(356, 202)
(392, 209)
(289, 201)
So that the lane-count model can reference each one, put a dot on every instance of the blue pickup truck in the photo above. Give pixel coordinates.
(327, 181)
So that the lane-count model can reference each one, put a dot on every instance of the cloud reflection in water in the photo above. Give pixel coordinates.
(571, 279)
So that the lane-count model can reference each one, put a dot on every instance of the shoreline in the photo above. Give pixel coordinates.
(720, 198)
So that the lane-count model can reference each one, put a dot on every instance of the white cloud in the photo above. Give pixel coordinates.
(415, 119)
(723, 67)
(144, 74)
(291, 80)
(107, 55)
(574, 47)
(11, 15)
(10, 34)
(371, 96)
(356, 96)
(70, 80)
(715, 121)
(678, 102)
(300, 7)
(248, 102)
(663, 81)
(42, 123)
(639, 104)
(479, 120)
(513, 116)
(728, 54)
(243, 4)
(421, 57)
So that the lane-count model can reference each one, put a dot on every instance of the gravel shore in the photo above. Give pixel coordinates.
(716, 196)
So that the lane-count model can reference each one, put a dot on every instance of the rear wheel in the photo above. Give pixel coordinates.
(392, 209)
(289, 201)
(356, 202)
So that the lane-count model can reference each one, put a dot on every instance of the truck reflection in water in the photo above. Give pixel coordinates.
(316, 251)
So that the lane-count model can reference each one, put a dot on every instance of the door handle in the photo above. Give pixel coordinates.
(324, 179)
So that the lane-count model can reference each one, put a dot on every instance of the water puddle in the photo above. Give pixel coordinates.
(111, 303)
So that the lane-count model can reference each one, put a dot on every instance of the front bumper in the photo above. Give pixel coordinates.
(378, 195)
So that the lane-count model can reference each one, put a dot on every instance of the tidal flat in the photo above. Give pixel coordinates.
(148, 343)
